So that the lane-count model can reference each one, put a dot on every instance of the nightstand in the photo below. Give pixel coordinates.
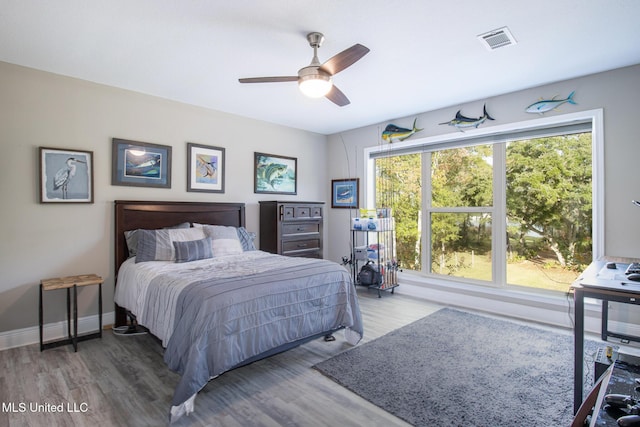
(68, 283)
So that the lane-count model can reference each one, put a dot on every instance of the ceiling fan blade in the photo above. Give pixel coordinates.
(336, 96)
(269, 79)
(344, 59)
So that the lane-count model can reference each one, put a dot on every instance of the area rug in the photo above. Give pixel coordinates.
(454, 368)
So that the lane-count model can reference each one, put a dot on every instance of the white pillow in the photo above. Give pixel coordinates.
(224, 240)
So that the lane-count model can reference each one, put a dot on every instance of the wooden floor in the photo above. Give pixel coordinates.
(123, 381)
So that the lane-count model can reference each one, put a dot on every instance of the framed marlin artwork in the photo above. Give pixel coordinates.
(205, 168)
(345, 193)
(140, 164)
(275, 174)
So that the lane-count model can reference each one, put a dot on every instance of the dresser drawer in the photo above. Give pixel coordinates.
(303, 228)
(316, 212)
(306, 254)
(300, 245)
(301, 212)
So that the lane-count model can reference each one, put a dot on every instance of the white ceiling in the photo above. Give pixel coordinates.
(424, 54)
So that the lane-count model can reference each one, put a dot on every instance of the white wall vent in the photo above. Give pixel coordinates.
(497, 38)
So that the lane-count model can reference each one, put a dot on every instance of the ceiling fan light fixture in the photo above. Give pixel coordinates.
(313, 82)
(315, 87)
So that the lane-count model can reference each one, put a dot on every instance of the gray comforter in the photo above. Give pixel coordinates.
(220, 323)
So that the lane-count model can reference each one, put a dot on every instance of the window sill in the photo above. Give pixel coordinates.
(541, 306)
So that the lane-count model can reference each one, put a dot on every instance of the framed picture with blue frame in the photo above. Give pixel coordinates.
(140, 164)
(345, 193)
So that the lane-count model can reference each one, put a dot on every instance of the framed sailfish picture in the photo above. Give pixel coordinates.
(205, 168)
(140, 164)
(275, 174)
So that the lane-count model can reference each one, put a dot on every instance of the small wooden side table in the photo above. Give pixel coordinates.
(68, 283)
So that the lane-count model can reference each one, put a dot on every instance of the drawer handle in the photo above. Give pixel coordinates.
(299, 229)
(302, 245)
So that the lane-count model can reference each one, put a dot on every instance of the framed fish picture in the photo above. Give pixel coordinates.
(140, 164)
(345, 193)
(275, 174)
(66, 176)
(205, 168)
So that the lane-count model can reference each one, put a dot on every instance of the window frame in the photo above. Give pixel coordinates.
(498, 136)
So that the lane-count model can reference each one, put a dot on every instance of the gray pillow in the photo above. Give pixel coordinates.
(131, 237)
(193, 250)
(157, 245)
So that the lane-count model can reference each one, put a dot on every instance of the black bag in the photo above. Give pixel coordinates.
(370, 275)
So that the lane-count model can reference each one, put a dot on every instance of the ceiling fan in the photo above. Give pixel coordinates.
(315, 80)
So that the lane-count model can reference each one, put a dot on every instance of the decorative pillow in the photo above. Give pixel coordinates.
(193, 250)
(246, 239)
(132, 241)
(177, 226)
(225, 239)
(157, 245)
(132, 237)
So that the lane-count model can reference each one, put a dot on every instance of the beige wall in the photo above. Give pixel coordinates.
(49, 240)
(617, 92)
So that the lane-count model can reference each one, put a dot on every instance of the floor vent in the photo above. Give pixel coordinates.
(497, 38)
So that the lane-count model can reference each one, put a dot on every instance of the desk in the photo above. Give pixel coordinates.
(607, 285)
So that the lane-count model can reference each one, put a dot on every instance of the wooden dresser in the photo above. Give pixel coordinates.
(291, 228)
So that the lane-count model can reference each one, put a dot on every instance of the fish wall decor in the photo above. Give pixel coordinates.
(461, 122)
(395, 133)
(270, 175)
(545, 105)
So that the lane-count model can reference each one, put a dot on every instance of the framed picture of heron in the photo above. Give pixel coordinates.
(345, 193)
(66, 176)
(275, 174)
(205, 168)
(140, 164)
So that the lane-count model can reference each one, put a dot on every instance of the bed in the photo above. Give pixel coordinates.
(221, 308)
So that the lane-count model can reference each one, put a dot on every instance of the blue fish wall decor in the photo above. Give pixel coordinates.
(395, 133)
(461, 122)
(545, 105)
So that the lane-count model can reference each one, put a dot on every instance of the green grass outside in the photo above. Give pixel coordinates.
(544, 274)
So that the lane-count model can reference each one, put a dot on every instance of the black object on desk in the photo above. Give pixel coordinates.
(605, 284)
(619, 383)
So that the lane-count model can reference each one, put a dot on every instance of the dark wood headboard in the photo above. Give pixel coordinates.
(131, 215)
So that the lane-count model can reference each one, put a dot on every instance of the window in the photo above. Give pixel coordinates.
(508, 206)
(549, 210)
(399, 186)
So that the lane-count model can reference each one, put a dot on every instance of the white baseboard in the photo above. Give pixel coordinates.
(51, 331)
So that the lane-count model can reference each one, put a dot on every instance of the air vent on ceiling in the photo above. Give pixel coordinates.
(497, 38)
